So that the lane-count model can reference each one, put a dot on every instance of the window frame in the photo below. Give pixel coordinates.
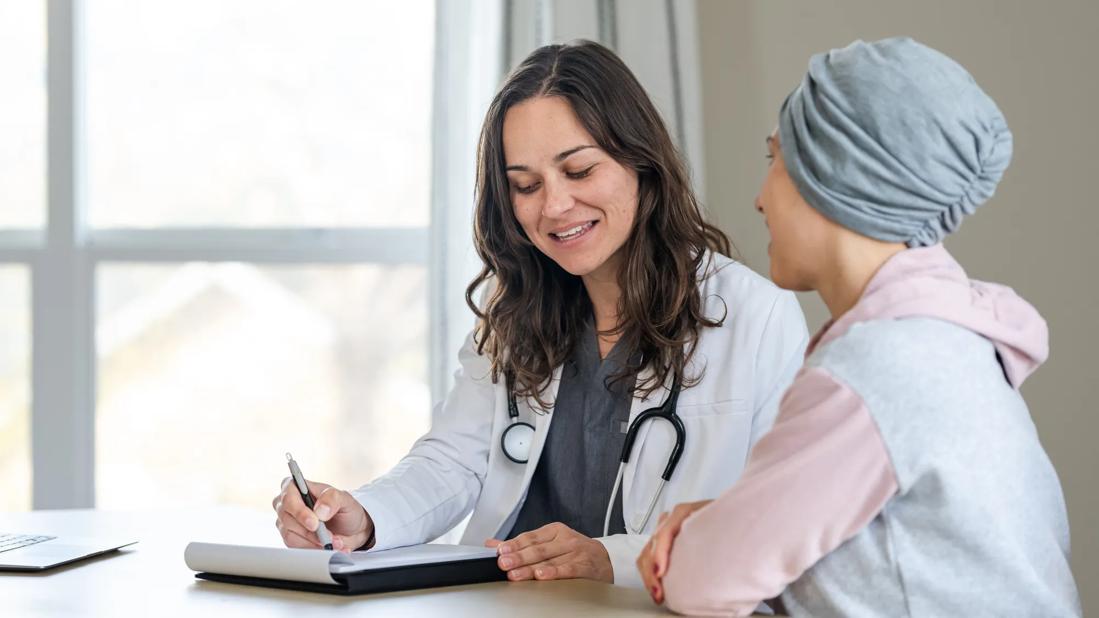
(64, 256)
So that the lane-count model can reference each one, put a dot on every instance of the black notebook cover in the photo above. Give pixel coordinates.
(411, 577)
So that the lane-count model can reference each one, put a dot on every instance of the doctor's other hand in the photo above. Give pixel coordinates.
(653, 561)
(553, 551)
(346, 519)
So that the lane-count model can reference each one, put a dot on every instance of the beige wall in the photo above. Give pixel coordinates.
(1038, 234)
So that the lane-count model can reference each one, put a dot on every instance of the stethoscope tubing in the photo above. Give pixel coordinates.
(665, 411)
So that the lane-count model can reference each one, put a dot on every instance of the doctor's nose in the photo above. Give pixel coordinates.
(558, 200)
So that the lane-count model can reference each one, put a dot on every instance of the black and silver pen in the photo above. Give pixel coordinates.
(299, 481)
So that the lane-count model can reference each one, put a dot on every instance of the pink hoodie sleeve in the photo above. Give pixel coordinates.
(813, 482)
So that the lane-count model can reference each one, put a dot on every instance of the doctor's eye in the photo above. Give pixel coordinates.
(584, 173)
(526, 189)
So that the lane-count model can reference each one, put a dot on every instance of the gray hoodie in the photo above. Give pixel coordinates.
(903, 476)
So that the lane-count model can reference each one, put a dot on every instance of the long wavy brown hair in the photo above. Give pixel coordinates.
(535, 311)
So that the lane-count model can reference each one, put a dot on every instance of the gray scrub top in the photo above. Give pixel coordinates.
(575, 475)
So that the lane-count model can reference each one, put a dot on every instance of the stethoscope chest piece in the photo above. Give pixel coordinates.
(517, 440)
(519, 436)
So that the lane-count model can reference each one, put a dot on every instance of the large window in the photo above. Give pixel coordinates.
(214, 246)
(259, 113)
(22, 214)
(15, 460)
(22, 114)
(249, 115)
(209, 372)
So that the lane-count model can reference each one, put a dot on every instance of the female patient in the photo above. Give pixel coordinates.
(904, 475)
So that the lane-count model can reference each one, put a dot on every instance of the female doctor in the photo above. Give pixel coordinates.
(610, 312)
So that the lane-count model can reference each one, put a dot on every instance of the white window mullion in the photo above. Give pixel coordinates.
(20, 245)
(291, 245)
(63, 384)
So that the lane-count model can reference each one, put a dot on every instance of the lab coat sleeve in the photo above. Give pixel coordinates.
(811, 484)
(433, 487)
(623, 550)
(780, 355)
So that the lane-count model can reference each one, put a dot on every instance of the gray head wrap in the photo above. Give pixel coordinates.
(893, 140)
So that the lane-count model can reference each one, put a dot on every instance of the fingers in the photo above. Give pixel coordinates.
(661, 547)
(329, 501)
(541, 535)
(493, 542)
(292, 519)
(346, 543)
(653, 562)
(542, 570)
(296, 523)
(345, 517)
(571, 565)
(537, 546)
(665, 536)
(561, 568)
(521, 574)
(647, 569)
(293, 506)
(556, 551)
(294, 535)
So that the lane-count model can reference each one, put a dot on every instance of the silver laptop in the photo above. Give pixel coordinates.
(29, 552)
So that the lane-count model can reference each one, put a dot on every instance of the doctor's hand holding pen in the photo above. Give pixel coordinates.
(347, 521)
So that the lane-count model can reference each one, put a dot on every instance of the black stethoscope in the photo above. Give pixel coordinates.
(519, 436)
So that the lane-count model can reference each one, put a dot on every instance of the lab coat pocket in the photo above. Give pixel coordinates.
(729, 406)
(712, 431)
(717, 438)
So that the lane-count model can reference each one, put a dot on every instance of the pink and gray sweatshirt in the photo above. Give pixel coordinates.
(903, 475)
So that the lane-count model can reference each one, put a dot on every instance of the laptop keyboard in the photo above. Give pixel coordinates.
(9, 542)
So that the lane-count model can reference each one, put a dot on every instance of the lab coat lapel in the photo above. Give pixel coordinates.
(541, 422)
(541, 427)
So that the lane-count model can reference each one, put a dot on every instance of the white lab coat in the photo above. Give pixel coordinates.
(458, 466)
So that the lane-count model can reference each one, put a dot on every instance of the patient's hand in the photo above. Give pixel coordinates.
(653, 561)
(553, 551)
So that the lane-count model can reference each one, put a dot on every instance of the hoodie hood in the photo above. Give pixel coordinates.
(928, 282)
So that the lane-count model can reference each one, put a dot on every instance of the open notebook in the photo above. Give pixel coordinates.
(405, 568)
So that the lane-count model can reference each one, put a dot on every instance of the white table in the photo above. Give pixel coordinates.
(150, 578)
